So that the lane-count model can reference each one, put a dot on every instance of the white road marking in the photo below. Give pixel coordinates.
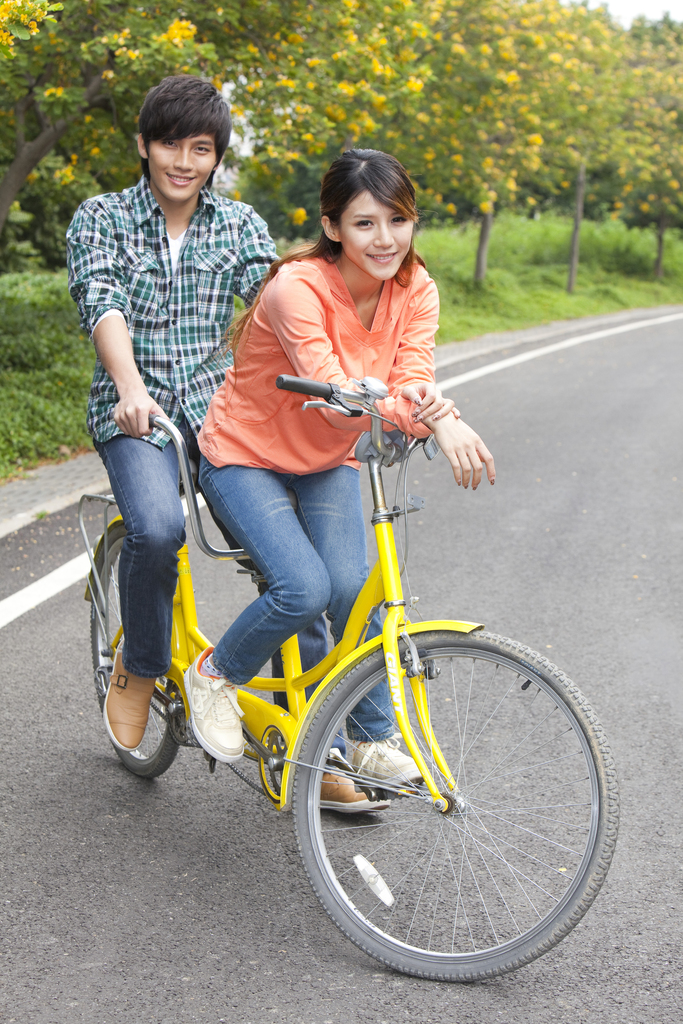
(77, 569)
(48, 586)
(558, 346)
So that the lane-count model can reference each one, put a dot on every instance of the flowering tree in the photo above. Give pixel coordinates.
(20, 19)
(302, 77)
(650, 154)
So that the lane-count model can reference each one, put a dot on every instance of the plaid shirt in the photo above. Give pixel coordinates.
(119, 258)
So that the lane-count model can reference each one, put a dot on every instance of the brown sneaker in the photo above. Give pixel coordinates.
(337, 793)
(126, 706)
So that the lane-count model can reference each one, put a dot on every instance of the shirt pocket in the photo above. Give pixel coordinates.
(215, 270)
(142, 271)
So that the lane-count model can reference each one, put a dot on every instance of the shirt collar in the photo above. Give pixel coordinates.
(145, 205)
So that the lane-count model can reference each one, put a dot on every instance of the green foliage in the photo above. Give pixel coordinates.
(287, 197)
(35, 232)
(46, 365)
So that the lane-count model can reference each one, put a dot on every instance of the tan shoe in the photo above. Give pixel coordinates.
(126, 706)
(337, 793)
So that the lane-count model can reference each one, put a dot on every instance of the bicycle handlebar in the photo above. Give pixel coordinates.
(302, 386)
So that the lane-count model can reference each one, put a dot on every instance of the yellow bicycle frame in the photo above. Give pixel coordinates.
(383, 586)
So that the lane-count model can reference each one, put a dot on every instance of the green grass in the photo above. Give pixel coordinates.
(527, 274)
(46, 361)
(46, 365)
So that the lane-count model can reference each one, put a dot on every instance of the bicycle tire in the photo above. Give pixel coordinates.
(158, 749)
(484, 890)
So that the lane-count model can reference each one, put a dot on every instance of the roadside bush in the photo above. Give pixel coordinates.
(46, 364)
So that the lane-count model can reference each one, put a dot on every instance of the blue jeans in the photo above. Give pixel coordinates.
(144, 481)
(314, 560)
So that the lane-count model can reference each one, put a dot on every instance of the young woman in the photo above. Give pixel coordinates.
(357, 303)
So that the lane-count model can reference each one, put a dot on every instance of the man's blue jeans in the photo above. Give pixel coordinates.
(144, 481)
(314, 560)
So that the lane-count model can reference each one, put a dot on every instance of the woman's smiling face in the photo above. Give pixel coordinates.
(374, 238)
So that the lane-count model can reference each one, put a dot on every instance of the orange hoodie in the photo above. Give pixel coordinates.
(306, 324)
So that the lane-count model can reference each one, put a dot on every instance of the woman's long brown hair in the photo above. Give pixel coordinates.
(356, 171)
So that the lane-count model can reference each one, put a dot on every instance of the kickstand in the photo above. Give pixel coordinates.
(211, 760)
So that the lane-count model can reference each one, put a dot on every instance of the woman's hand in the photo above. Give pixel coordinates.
(465, 451)
(429, 400)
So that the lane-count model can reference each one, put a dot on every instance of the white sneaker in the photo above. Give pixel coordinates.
(384, 761)
(214, 713)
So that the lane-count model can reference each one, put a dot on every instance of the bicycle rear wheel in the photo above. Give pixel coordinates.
(158, 749)
(498, 881)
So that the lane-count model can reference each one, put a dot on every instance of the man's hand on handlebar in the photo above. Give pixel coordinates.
(133, 410)
(465, 451)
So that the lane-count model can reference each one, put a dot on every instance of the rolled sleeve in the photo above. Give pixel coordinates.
(97, 280)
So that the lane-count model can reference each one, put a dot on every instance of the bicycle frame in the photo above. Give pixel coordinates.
(383, 587)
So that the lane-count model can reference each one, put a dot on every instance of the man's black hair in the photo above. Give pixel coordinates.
(181, 107)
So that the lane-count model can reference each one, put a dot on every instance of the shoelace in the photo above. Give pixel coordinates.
(379, 751)
(228, 709)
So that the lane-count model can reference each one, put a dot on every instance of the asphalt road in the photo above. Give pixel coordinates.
(183, 899)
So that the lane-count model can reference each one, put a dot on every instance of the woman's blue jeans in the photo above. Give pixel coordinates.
(314, 560)
(144, 481)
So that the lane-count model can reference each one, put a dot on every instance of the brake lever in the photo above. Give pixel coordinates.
(327, 405)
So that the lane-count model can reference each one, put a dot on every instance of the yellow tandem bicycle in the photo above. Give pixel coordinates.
(496, 853)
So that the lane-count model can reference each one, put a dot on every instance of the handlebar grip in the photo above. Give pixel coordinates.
(301, 386)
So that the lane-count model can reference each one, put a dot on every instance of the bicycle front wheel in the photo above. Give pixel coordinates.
(512, 867)
(157, 749)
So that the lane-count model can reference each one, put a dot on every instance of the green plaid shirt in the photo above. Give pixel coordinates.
(119, 258)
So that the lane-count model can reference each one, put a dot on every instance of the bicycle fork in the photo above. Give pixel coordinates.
(394, 625)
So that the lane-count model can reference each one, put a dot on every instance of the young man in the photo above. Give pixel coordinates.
(154, 271)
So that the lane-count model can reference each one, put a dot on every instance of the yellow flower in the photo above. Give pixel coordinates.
(414, 84)
(95, 151)
(452, 209)
(486, 206)
(535, 139)
(298, 216)
(178, 32)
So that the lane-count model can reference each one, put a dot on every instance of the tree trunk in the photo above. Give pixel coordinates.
(483, 247)
(578, 217)
(29, 154)
(659, 262)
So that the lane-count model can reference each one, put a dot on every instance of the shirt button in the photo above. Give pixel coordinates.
(174, 322)
(177, 362)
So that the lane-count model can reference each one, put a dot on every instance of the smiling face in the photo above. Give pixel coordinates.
(375, 239)
(178, 168)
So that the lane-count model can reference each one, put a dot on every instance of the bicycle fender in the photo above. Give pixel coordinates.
(333, 678)
(96, 550)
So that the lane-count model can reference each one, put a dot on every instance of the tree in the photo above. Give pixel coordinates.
(330, 81)
(651, 164)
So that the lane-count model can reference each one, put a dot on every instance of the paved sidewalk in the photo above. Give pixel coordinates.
(52, 488)
(49, 489)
